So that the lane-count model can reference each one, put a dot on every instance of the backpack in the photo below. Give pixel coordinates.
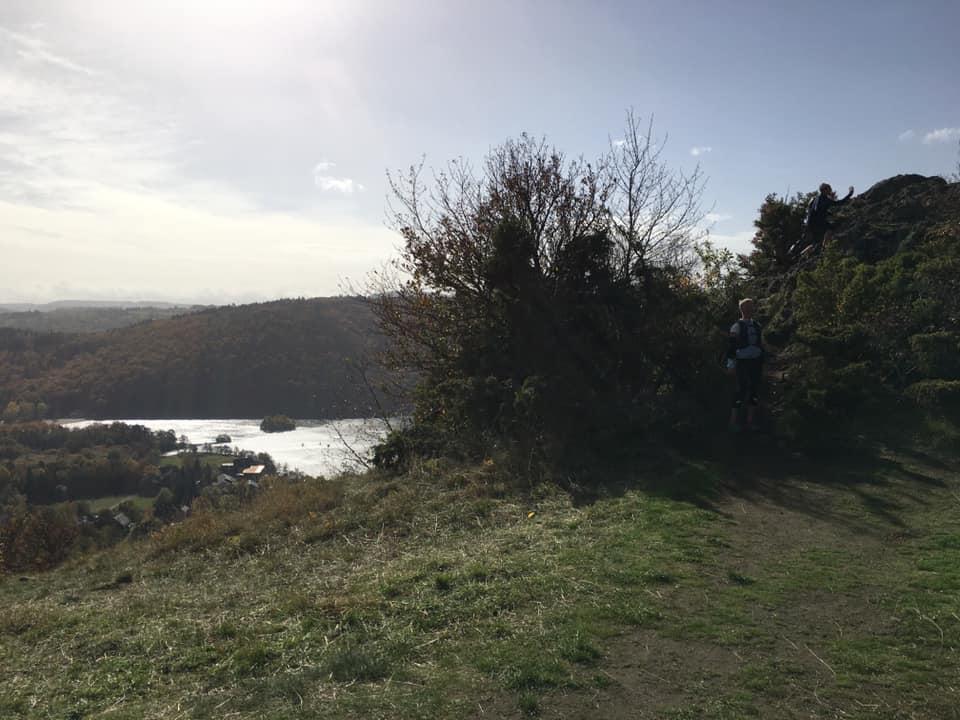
(743, 339)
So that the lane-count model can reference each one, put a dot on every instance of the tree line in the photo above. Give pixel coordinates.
(48, 475)
(47, 463)
(87, 319)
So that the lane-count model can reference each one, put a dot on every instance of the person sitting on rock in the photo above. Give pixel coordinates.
(818, 230)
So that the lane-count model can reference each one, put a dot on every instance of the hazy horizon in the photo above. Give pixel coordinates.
(147, 302)
(232, 152)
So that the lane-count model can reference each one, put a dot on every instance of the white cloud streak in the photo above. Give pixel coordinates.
(33, 49)
(906, 136)
(700, 150)
(328, 183)
(942, 135)
(716, 217)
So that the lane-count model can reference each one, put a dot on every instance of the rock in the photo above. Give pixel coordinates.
(891, 186)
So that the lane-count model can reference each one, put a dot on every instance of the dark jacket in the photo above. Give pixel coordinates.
(820, 206)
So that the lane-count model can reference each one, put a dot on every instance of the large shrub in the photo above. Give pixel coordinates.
(35, 538)
(549, 306)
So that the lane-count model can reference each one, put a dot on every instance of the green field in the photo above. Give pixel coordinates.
(98, 505)
(830, 590)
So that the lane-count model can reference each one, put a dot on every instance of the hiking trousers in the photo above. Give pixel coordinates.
(748, 381)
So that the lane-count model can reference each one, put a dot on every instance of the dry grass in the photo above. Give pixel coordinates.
(421, 596)
(280, 505)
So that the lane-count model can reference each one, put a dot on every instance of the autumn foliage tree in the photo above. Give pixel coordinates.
(545, 303)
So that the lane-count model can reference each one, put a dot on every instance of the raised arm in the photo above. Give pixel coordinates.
(848, 196)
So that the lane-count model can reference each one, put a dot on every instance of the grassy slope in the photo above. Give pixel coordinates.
(829, 592)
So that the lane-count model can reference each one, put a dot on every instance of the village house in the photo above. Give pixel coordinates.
(254, 472)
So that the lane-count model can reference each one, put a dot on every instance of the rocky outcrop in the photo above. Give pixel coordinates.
(896, 215)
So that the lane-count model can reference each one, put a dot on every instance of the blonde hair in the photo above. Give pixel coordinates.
(744, 302)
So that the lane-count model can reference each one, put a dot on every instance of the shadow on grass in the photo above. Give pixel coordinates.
(870, 489)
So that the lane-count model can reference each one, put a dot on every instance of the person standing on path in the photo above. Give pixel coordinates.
(745, 360)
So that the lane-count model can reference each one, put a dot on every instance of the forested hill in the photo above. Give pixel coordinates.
(297, 357)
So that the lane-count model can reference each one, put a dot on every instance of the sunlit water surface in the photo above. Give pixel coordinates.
(313, 448)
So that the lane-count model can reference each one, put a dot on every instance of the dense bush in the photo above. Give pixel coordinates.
(554, 310)
(36, 538)
(937, 354)
(941, 397)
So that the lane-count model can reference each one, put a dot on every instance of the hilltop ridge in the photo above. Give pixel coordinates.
(871, 328)
(896, 215)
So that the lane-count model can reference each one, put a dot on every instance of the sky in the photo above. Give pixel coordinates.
(223, 151)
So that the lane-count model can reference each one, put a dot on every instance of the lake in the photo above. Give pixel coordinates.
(313, 448)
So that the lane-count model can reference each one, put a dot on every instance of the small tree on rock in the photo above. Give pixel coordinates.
(779, 228)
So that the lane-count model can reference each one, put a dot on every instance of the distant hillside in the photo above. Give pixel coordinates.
(74, 304)
(61, 304)
(89, 319)
(295, 357)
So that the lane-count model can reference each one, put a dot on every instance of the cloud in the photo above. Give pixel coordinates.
(716, 217)
(906, 136)
(738, 242)
(700, 150)
(942, 135)
(65, 134)
(619, 143)
(347, 186)
(109, 250)
(331, 183)
(95, 198)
